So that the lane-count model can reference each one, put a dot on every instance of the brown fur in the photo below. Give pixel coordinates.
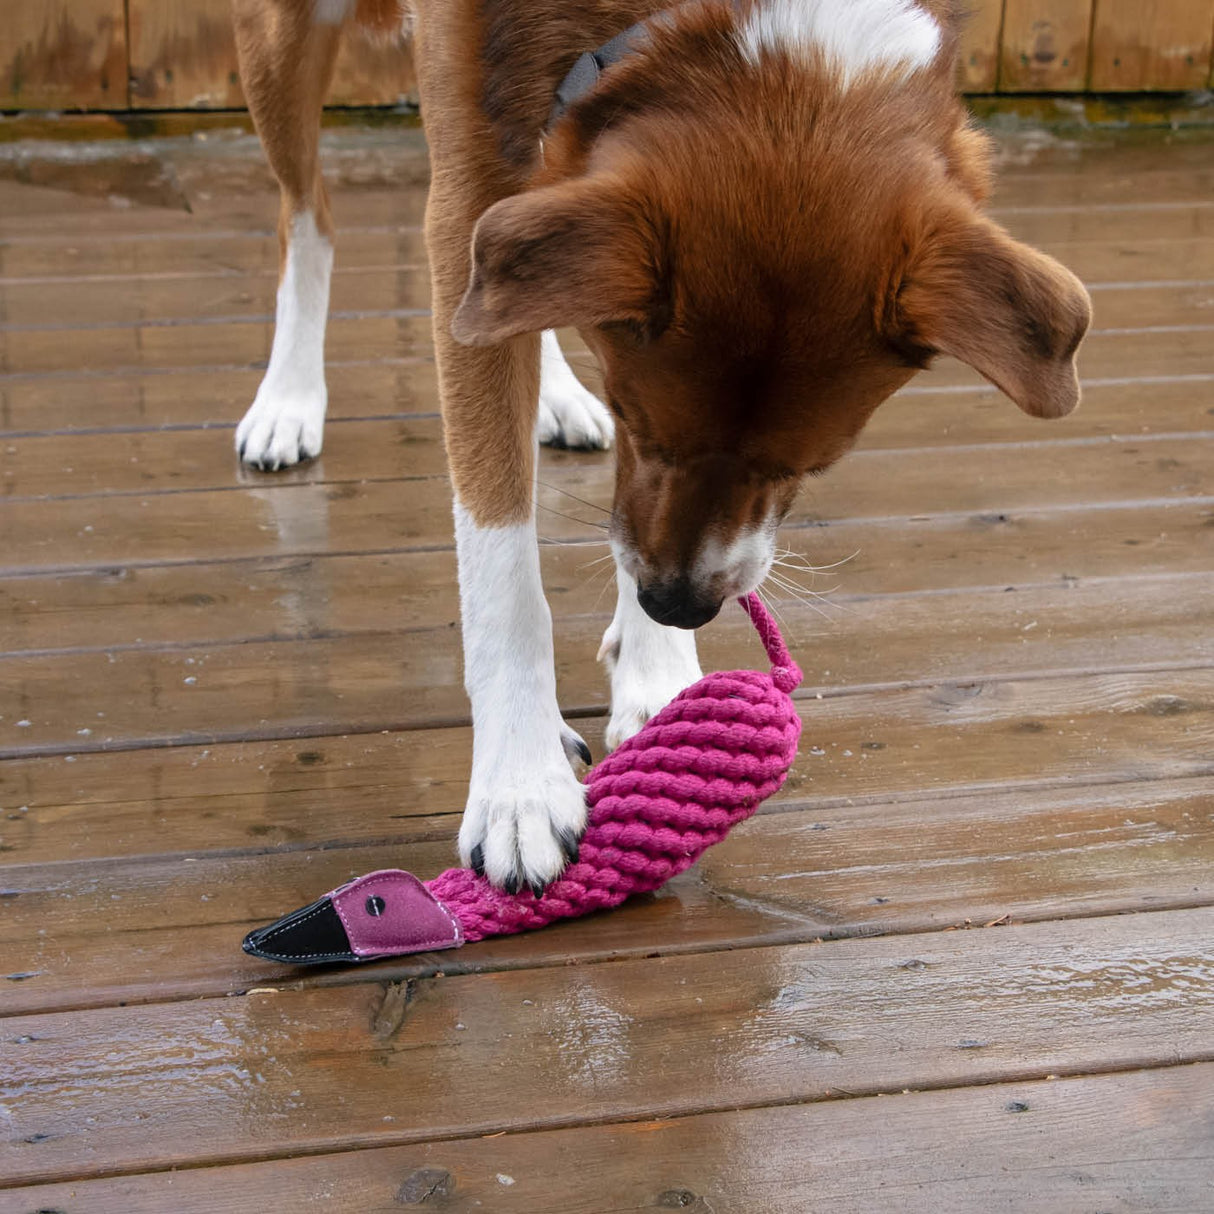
(758, 258)
(286, 65)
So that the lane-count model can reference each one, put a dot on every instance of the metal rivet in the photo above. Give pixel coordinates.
(375, 906)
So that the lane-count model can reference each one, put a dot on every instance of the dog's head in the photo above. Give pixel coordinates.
(760, 251)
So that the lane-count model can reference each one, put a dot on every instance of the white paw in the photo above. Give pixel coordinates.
(577, 421)
(570, 416)
(649, 666)
(521, 829)
(282, 428)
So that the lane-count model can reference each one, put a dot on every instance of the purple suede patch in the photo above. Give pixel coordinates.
(391, 911)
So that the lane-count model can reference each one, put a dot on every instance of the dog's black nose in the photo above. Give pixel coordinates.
(677, 602)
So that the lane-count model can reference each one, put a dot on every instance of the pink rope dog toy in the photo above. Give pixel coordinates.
(696, 770)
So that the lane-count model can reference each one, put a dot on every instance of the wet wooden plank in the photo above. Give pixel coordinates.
(229, 345)
(349, 501)
(1115, 179)
(242, 198)
(257, 253)
(199, 253)
(61, 55)
(1125, 221)
(930, 413)
(919, 743)
(1139, 1139)
(172, 461)
(107, 932)
(224, 344)
(215, 396)
(367, 681)
(1151, 45)
(391, 591)
(197, 300)
(411, 450)
(309, 1071)
(183, 55)
(1000, 856)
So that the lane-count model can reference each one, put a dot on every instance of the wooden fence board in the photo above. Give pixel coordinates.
(1151, 44)
(1045, 46)
(183, 55)
(979, 56)
(63, 54)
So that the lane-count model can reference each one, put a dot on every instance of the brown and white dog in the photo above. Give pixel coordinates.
(763, 219)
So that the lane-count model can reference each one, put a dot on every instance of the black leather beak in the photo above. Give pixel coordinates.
(313, 935)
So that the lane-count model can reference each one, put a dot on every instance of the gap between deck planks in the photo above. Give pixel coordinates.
(288, 1072)
(1130, 1141)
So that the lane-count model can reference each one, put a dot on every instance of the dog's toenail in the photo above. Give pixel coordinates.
(477, 860)
(511, 885)
(584, 751)
(571, 847)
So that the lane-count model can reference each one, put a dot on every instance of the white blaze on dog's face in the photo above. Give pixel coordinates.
(758, 272)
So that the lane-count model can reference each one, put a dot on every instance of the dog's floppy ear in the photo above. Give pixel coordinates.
(574, 254)
(1015, 315)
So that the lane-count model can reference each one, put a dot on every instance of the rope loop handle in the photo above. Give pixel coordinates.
(785, 673)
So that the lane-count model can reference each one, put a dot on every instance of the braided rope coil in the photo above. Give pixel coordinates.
(696, 770)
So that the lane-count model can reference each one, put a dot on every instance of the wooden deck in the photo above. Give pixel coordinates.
(224, 693)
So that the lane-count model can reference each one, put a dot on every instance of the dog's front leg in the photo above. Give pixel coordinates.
(649, 663)
(526, 809)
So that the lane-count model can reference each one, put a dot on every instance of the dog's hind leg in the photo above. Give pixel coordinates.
(570, 415)
(287, 50)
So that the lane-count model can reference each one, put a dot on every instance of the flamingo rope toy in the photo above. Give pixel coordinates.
(696, 770)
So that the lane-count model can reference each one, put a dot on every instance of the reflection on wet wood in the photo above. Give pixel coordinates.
(228, 692)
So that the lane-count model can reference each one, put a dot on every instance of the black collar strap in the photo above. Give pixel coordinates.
(584, 74)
